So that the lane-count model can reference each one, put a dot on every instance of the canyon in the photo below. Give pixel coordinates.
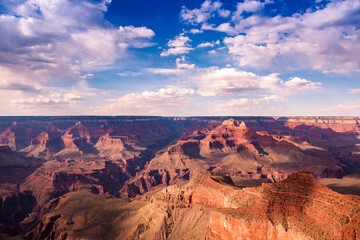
(179, 177)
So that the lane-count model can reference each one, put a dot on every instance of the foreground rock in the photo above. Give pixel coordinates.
(296, 208)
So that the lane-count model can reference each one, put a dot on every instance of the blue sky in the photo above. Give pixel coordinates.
(179, 57)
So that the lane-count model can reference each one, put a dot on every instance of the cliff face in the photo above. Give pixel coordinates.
(55, 178)
(296, 208)
(117, 148)
(15, 205)
(153, 131)
(140, 155)
(7, 137)
(234, 149)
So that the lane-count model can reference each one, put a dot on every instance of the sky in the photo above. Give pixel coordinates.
(180, 57)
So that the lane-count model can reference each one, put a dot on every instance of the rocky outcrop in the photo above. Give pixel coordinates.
(14, 168)
(14, 207)
(233, 149)
(149, 179)
(75, 137)
(296, 208)
(55, 178)
(38, 146)
(116, 149)
(142, 155)
(7, 138)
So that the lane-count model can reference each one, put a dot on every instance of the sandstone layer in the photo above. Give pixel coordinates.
(296, 208)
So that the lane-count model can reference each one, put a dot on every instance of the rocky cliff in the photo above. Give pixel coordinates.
(48, 164)
(296, 208)
(233, 149)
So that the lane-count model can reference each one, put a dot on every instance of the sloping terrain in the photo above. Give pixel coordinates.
(15, 204)
(233, 149)
(61, 177)
(296, 208)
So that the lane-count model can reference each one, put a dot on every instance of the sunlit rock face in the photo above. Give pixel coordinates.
(189, 177)
(234, 149)
(204, 208)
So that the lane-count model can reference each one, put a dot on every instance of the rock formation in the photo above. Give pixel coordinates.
(296, 208)
(7, 138)
(188, 178)
(114, 148)
(233, 149)
(15, 204)
(55, 178)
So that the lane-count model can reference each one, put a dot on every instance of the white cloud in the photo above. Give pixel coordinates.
(208, 44)
(182, 64)
(49, 48)
(227, 81)
(196, 31)
(224, 27)
(207, 10)
(54, 41)
(177, 46)
(247, 102)
(193, 85)
(215, 81)
(326, 40)
(223, 13)
(136, 36)
(249, 6)
(51, 100)
(172, 99)
(301, 84)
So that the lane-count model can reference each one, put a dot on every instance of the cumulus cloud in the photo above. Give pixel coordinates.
(249, 6)
(224, 27)
(162, 101)
(177, 46)
(246, 102)
(326, 39)
(301, 84)
(213, 84)
(227, 81)
(51, 100)
(208, 44)
(52, 40)
(182, 64)
(196, 31)
(215, 81)
(207, 10)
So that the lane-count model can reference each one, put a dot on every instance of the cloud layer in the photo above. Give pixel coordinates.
(231, 57)
(325, 40)
(51, 40)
